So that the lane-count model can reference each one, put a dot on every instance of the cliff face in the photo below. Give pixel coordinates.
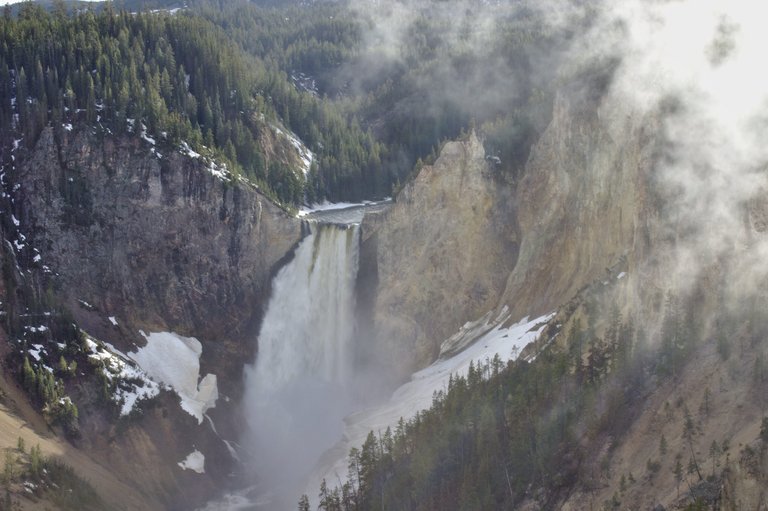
(159, 243)
(137, 237)
(592, 204)
(583, 201)
(462, 239)
(438, 252)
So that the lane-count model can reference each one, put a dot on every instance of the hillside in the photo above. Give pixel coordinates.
(564, 298)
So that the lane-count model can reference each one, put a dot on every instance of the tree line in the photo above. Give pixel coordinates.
(181, 76)
(508, 432)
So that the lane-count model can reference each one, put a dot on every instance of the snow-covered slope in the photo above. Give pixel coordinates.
(486, 338)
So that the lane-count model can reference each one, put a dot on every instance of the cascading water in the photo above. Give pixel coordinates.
(298, 390)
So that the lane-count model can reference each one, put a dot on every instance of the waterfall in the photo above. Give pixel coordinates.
(298, 390)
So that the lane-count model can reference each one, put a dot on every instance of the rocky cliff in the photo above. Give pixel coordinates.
(438, 252)
(136, 237)
(158, 242)
(583, 200)
(463, 238)
(595, 222)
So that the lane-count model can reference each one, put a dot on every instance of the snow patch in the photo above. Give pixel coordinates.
(329, 206)
(67, 126)
(175, 361)
(86, 305)
(185, 149)
(145, 136)
(35, 351)
(195, 461)
(113, 320)
(305, 155)
(133, 386)
(220, 171)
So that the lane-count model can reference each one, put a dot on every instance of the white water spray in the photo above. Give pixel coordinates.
(297, 392)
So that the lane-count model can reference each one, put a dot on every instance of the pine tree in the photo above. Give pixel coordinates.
(678, 471)
(29, 378)
(35, 461)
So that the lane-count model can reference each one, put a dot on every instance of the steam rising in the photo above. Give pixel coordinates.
(705, 59)
(697, 65)
(457, 58)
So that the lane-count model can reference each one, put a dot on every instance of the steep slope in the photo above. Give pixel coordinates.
(621, 212)
(437, 253)
(583, 200)
(463, 238)
(133, 236)
(158, 242)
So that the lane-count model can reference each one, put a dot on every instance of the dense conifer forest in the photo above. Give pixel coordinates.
(217, 74)
(177, 75)
(536, 422)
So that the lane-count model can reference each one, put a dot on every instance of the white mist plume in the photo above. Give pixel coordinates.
(468, 51)
(705, 58)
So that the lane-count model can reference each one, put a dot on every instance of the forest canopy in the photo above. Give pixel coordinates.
(218, 75)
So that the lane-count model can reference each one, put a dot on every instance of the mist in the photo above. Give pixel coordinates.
(694, 65)
(698, 66)
(306, 378)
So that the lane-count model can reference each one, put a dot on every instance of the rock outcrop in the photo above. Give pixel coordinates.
(438, 253)
(137, 237)
(157, 242)
(582, 202)
(463, 238)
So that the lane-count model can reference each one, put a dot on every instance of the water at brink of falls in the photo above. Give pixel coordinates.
(298, 390)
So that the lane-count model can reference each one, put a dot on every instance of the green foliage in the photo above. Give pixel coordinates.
(9, 468)
(429, 93)
(71, 492)
(678, 472)
(35, 462)
(180, 75)
(504, 429)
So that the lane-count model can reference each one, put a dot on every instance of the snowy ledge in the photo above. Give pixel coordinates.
(195, 462)
(330, 206)
(132, 385)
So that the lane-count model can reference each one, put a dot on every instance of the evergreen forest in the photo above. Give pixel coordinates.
(217, 75)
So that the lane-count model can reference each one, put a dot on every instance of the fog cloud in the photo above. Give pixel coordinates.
(705, 59)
